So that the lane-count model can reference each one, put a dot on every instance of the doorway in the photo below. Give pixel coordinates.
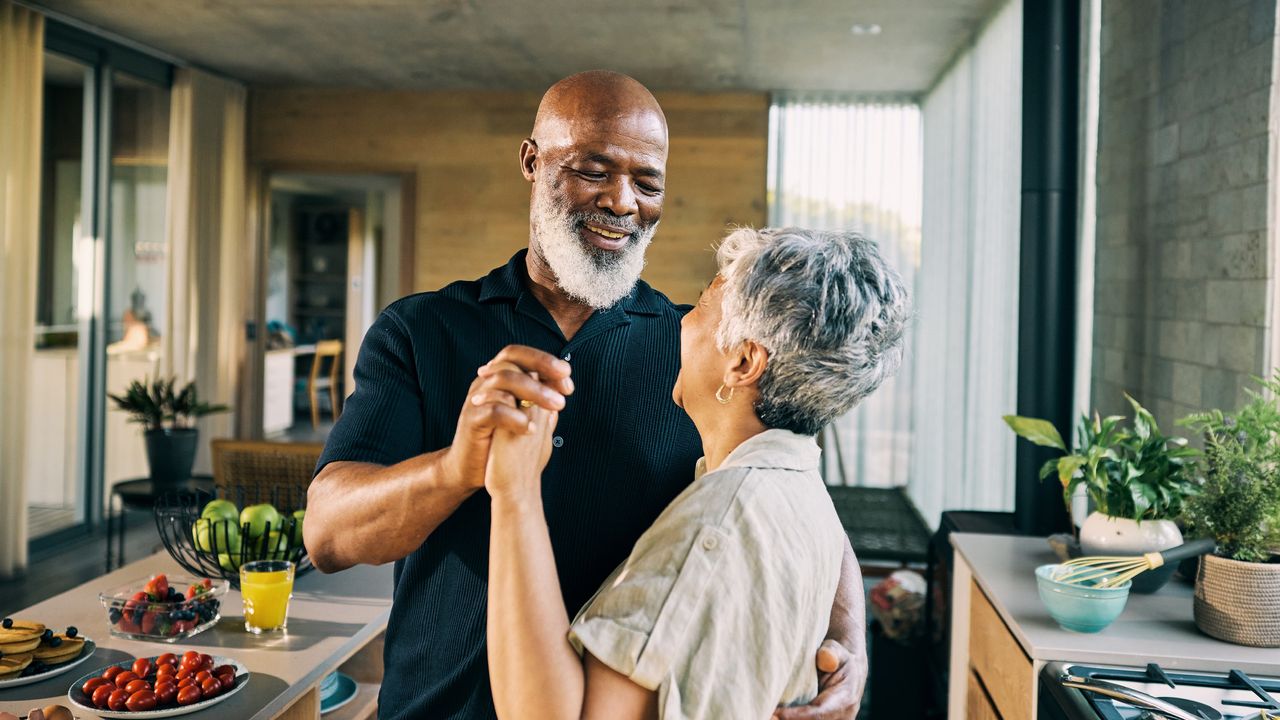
(334, 250)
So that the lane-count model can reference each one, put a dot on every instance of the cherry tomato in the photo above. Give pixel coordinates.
(116, 701)
(136, 685)
(203, 675)
(188, 680)
(190, 654)
(210, 687)
(125, 678)
(167, 659)
(166, 671)
(111, 672)
(206, 662)
(141, 700)
(100, 695)
(186, 671)
(226, 679)
(193, 663)
(224, 668)
(166, 693)
(189, 694)
(93, 684)
(142, 667)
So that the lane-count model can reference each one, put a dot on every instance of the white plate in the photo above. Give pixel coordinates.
(53, 671)
(84, 704)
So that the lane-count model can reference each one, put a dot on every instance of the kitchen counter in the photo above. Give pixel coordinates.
(334, 620)
(994, 596)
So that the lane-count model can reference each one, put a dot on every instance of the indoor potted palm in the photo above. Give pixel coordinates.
(1237, 596)
(1137, 480)
(168, 417)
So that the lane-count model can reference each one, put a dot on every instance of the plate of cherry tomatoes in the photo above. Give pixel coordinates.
(157, 687)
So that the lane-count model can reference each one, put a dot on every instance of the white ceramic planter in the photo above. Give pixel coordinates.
(1106, 535)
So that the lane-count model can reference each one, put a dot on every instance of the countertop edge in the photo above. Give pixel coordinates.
(992, 597)
(353, 644)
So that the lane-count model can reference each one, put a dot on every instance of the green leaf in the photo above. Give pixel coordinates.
(1040, 432)
(1068, 466)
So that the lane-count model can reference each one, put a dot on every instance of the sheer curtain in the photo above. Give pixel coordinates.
(841, 163)
(209, 265)
(21, 100)
(967, 299)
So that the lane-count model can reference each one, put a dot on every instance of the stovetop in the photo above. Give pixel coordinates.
(1231, 695)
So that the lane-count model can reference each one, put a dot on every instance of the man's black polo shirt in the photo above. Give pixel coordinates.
(622, 451)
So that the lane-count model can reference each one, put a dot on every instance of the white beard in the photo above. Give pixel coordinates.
(598, 278)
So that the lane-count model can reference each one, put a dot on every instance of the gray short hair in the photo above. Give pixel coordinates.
(830, 311)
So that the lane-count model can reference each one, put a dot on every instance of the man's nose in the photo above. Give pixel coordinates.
(618, 198)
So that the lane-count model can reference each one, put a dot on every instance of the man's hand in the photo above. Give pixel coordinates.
(493, 403)
(840, 684)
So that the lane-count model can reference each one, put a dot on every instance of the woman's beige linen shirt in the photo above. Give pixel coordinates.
(724, 601)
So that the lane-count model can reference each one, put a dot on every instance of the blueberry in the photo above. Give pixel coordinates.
(47, 634)
(8, 623)
(56, 641)
(115, 616)
(72, 631)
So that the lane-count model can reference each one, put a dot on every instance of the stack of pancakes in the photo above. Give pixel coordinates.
(25, 642)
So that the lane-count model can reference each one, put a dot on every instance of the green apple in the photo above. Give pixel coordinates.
(295, 538)
(224, 534)
(221, 509)
(277, 545)
(260, 519)
(228, 562)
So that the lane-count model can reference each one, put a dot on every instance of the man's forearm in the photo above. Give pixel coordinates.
(848, 622)
(374, 514)
(533, 670)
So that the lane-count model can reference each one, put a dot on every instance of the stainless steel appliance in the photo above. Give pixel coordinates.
(1085, 692)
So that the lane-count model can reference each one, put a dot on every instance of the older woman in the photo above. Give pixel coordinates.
(720, 607)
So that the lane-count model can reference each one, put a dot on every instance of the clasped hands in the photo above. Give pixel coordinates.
(503, 439)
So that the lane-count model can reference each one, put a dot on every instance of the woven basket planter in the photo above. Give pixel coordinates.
(1239, 602)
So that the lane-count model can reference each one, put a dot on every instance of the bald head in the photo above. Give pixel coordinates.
(584, 107)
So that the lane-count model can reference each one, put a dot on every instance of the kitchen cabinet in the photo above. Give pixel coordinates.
(1002, 636)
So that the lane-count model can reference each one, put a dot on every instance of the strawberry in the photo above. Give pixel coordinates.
(158, 588)
(148, 623)
(127, 625)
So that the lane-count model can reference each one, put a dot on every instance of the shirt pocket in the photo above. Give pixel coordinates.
(674, 630)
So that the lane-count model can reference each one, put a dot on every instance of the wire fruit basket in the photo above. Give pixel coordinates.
(215, 543)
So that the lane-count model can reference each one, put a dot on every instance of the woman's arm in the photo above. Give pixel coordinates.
(533, 670)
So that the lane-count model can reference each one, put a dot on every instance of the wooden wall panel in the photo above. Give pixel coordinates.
(472, 203)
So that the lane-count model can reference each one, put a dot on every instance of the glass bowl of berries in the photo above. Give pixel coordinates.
(163, 608)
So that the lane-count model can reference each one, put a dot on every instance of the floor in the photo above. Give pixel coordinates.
(50, 572)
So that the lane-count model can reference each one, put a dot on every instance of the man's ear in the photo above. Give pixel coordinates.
(747, 364)
(528, 158)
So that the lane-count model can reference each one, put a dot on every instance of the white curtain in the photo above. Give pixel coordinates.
(209, 260)
(21, 100)
(967, 299)
(840, 163)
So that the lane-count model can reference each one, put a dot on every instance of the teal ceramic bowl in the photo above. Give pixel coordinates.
(1080, 608)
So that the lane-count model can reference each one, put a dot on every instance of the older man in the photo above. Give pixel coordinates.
(399, 476)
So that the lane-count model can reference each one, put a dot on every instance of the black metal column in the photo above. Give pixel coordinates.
(1047, 305)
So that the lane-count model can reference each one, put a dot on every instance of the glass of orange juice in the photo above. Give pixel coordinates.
(266, 586)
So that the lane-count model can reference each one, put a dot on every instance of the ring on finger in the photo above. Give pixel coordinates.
(526, 404)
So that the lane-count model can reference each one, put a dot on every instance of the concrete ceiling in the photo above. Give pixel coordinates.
(451, 44)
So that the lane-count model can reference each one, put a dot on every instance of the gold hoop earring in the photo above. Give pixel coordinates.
(723, 400)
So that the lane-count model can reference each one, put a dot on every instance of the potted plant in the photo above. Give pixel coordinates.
(1136, 478)
(168, 417)
(1237, 595)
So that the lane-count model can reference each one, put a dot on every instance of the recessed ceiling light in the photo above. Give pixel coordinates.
(865, 29)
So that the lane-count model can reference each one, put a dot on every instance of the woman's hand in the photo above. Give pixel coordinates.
(516, 460)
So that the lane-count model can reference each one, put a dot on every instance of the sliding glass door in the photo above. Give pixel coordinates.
(101, 290)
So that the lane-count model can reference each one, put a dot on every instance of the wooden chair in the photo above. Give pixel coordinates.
(257, 466)
(332, 350)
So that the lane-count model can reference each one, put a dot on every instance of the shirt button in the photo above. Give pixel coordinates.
(557, 441)
(567, 356)
(710, 542)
